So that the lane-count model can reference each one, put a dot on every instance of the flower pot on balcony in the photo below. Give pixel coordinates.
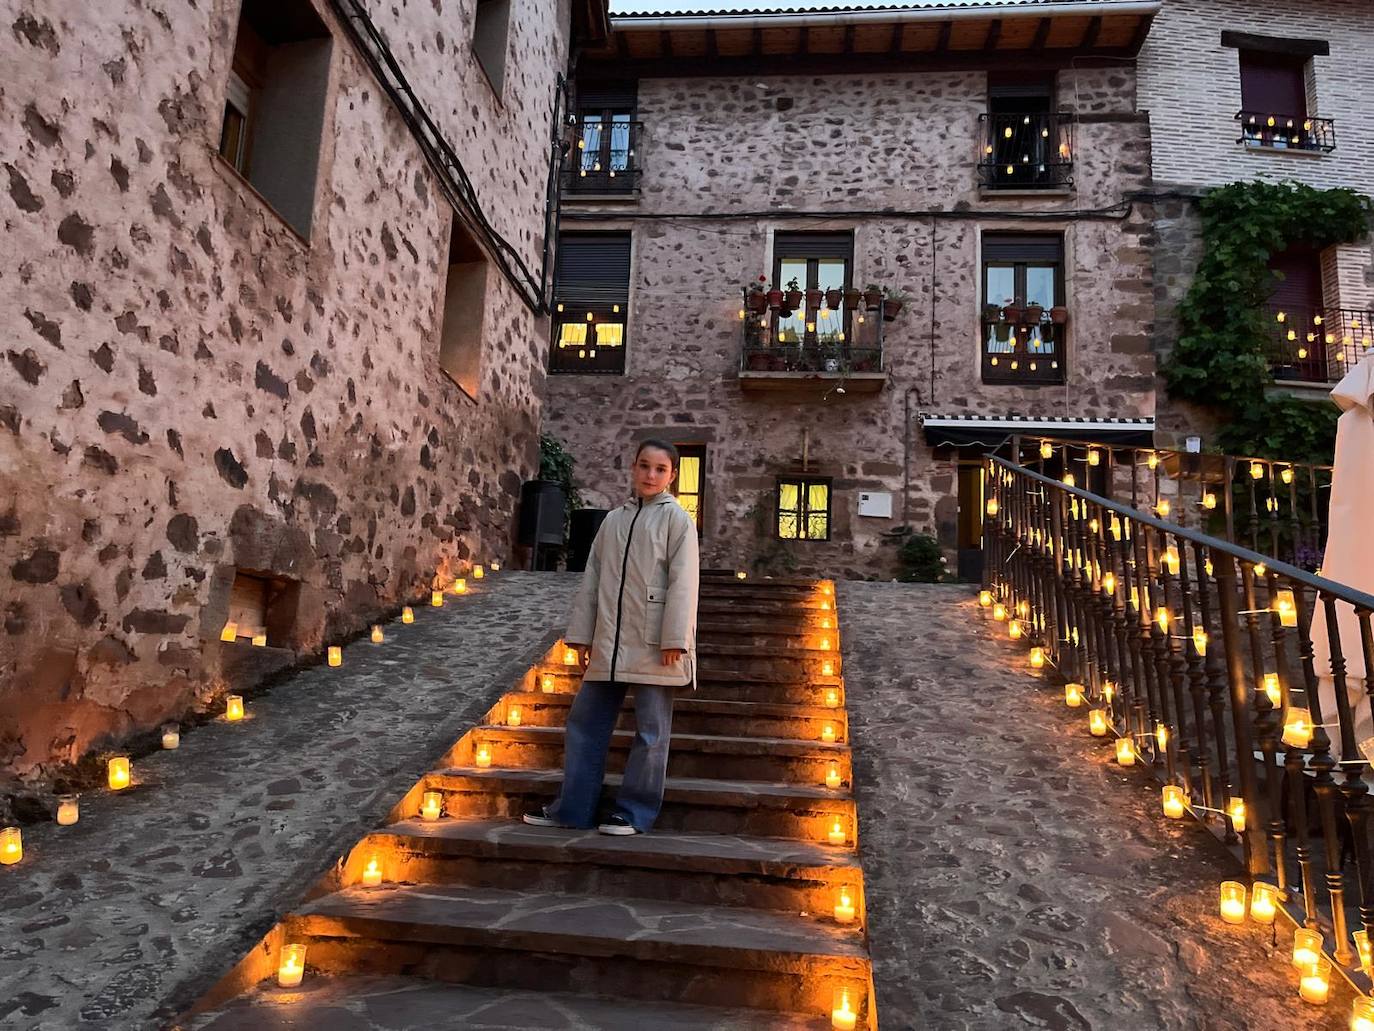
(793, 299)
(873, 298)
(852, 298)
(991, 312)
(777, 363)
(1059, 315)
(891, 307)
(813, 299)
(774, 298)
(867, 363)
(758, 301)
(1035, 314)
(833, 298)
(1013, 314)
(757, 362)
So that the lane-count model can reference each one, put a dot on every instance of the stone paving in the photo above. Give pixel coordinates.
(125, 918)
(1016, 877)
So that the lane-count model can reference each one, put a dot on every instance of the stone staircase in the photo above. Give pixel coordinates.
(722, 917)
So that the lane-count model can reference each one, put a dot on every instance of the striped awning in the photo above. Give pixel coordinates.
(991, 430)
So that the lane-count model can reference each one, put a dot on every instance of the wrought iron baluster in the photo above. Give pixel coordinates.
(1255, 861)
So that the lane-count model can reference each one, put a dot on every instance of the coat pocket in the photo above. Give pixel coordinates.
(653, 615)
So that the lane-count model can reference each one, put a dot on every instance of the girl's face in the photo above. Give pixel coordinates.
(652, 473)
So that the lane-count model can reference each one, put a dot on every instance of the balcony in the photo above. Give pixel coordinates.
(603, 160)
(1316, 345)
(1023, 345)
(811, 342)
(1287, 132)
(1022, 151)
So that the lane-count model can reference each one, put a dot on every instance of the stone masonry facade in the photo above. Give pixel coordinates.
(718, 152)
(1190, 85)
(190, 388)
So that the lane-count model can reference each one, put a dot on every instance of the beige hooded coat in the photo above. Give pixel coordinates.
(639, 595)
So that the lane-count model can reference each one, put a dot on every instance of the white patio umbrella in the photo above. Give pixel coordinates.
(1349, 558)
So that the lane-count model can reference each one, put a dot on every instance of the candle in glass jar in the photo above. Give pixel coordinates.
(1297, 728)
(844, 908)
(407, 615)
(1307, 947)
(1315, 985)
(483, 757)
(1125, 751)
(837, 835)
(372, 875)
(842, 1014)
(1362, 1014)
(478, 572)
(68, 810)
(1272, 689)
(1014, 629)
(1233, 902)
(431, 805)
(260, 640)
(828, 733)
(335, 655)
(1364, 949)
(999, 612)
(1037, 658)
(1173, 801)
(292, 967)
(119, 773)
(230, 631)
(1073, 695)
(1235, 810)
(436, 599)
(513, 716)
(460, 586)
(233, 708)
(570, 656)
(11, 846)
(985, 598)
(496, 567)
(1264, 903)
(1097, 722)
(827, 668)
(171, 737)
(832, 698)
(377, 636)
(832, 777)
(546, 684)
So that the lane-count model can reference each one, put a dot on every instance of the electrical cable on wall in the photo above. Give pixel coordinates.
(439, 154)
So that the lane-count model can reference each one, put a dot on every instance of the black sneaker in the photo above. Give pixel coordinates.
(617, 824)
(540, 818)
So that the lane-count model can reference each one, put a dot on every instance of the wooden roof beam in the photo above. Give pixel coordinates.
(1042, 33)
(1093, 32)
(665, 42)
(994, 33)
(942, 44)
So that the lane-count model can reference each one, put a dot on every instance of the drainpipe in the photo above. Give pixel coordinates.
(906, 450)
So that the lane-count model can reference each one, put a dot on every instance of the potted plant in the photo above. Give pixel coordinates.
(852, 297)
(1013, 312)
(758, 361)
(1059, 315)
(1035, 314)
(833, 299)
(892, 304)
(758, 296)
(793, 298)
(873, 296)
(992, 313)
(813, 299)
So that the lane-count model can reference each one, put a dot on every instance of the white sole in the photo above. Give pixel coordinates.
(539, 821)
(615, 831)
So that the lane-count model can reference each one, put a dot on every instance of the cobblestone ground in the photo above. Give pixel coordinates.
(1016, 877)
(121, 920)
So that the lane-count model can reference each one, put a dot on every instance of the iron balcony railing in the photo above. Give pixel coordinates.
(1027, 350)
(1218, 670)
(604, 157)
(1026, 151)
(1279, 508)
(1316, 345)
(1286, 132)
(812, 339)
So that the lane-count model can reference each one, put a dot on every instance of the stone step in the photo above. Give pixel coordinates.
(730, 624)
(779, 637)
(639, 948)
(702, 869)
(390, 1003)
(777, 760)
(798, 595)
(799, 811)
(714, 659)
(764, 608)
(728, 684)
(693, 714)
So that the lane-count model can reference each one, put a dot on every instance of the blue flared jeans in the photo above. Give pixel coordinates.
(591, 721)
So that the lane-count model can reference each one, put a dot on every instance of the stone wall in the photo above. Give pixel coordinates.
(834, 147)
(191, 388)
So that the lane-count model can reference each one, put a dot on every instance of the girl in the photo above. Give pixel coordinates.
(633, 623)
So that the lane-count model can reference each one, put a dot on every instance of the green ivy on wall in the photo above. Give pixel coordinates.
(1219, 359)
(556, 464)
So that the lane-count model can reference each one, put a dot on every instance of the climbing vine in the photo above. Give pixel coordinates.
(1219, 360)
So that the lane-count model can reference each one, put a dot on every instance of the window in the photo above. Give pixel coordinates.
(490, 31)
(1023, 308)
(804, 510)
(606, 137)
(465, 289)
(262, 604)
(820, 264)
(690, 486)
(1026, 144)
(591, 301)
(274, 104)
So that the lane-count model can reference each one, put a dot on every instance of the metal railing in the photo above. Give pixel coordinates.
(1279, 508)
(1243, 684)
(1024, 351)
(1316, 345)
(604, 157)
(811, 340)
(1025, 151)
(1286, 132)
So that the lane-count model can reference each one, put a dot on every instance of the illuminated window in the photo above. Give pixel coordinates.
(804, 510)
(690, 487)
(592, 287)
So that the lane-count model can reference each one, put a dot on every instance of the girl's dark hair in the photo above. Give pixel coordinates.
(661, 445)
